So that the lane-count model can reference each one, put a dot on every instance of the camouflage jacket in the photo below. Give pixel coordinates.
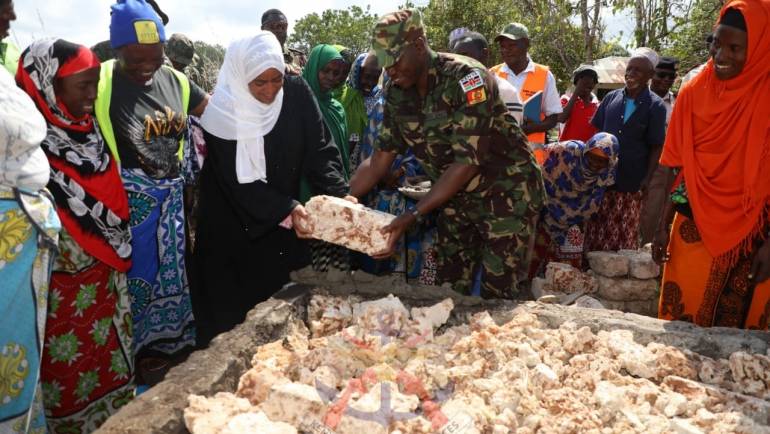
(462, 120)
(295, 60)
(203, 73)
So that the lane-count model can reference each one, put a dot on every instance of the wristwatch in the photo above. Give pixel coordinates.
(416, 213)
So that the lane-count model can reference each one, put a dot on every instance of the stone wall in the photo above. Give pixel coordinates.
(626, 281)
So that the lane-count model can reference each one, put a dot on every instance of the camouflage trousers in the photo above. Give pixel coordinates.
(500, 245)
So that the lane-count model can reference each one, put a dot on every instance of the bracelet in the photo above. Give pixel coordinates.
(416, 213)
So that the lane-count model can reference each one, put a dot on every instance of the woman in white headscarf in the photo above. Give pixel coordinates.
(29, 229)
(264, 132)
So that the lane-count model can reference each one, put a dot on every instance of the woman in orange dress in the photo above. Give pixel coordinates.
(718, 144)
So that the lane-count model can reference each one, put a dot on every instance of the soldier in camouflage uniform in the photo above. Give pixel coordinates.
(180, 52)
(489, 189)
(274, 21)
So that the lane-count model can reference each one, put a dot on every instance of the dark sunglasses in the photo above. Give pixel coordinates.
(663, 74)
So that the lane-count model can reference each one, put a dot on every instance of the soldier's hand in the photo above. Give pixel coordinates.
(396, 229)
(292, 70)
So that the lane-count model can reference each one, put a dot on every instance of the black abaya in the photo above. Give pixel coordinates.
(242, 257)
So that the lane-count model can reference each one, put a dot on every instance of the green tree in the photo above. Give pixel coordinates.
(205, 67)
(350, 27)
(612, 48)
(554, 39)
(657, 21)
(443, 16)
(591, 26)
(688, 44)
(214, 54)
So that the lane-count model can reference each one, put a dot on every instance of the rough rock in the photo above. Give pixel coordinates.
(643, 307)
(618, 289)
(427, 319)
(614, 305)
(294, 403)
(541, 288)
(208, 415)
(589, 303)
(634, 358)
(344, 223)
(328, 315)
(641, 265)
(520, 376)
(384, 315)
(376, 410)
(609, 264)
(751, 374)
(207, 372)
(256, 383)
(256, 423)
(568, 279)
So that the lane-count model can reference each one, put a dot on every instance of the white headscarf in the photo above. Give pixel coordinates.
(234, 114)
(23, 163)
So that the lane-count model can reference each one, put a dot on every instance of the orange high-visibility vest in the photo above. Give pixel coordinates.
(535, 82)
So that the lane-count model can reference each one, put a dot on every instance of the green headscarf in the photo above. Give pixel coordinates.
(331, 109)
(347, 57)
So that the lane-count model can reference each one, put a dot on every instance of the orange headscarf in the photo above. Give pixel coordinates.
(719, 135)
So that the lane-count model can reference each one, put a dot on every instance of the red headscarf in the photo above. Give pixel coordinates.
(719, 135)
(89, 194)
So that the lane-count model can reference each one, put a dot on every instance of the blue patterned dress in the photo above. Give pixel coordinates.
(574, 194)
(161, 306)
(416, 249)
(29, 230)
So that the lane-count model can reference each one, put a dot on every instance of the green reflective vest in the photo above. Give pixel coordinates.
(9, 56)
(104, 97)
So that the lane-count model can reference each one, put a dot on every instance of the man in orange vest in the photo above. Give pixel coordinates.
(528, 78)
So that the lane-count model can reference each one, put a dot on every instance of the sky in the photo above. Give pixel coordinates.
(214, 21)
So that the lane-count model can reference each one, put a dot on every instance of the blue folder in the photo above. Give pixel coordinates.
(532, 107)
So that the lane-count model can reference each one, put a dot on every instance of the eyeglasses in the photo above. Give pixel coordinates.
(663, 75)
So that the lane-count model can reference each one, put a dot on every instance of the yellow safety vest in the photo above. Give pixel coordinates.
(104, 97)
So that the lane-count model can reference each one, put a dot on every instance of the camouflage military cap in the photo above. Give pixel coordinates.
(394, 32)
(514, 31)
(180, 49)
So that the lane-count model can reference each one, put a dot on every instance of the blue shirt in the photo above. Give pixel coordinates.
(630, 108)
(638, 133)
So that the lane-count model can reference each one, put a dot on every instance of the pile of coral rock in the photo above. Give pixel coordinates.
(626, 280)
(375, 367)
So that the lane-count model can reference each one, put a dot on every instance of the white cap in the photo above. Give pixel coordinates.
(647, 53)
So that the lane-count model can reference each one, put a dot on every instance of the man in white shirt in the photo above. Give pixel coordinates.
(475, 46)
(529, 78)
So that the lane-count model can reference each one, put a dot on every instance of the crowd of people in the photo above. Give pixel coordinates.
(141, 216)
